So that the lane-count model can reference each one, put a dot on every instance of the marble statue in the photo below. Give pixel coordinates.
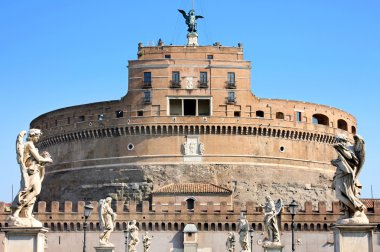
(107, 221)
(243, 229)
(230, 243)
(147, 241)
(191, 20)
(345, 183)
(271, 210)
(133, 238)
(32, 168)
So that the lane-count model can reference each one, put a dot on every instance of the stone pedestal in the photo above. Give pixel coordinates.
(190, 239)
(104, 249)
(353, 238)
(273, 247)
(192, 39)
(25, 239)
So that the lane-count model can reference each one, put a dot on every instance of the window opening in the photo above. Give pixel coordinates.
(298, 116)
(236, 113)
(176, 82)
(280, 115)
(175, 107)
(203, 80)
(190, 203)
(259, 113)
(140, 113)
(231, 80)
(204, 107)
(168, 56)
(189, 107)
(119, 113)
(147, 97)
(147, 79)
(210, 56)
(231, 97)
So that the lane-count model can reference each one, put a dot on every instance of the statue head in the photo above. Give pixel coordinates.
(108, 199)
(34, 134)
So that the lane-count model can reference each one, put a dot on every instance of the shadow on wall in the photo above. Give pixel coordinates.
(177, 241)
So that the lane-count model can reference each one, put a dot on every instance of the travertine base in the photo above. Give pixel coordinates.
(105, 249)
(192, 39)
(353, 238)
(273, 247)
(25, 239)
(190, 247)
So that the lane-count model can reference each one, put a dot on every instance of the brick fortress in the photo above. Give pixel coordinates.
(190, 143)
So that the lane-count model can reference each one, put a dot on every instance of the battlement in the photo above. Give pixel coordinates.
(160, 217)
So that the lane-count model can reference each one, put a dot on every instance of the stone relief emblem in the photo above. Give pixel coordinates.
(189, 82)
(193, 147)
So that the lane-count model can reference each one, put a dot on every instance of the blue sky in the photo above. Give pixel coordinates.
(55, 54)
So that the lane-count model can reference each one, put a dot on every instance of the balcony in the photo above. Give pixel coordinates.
(147, 84)
(231, 100)
(231, 84)
(175, 84)
(203, 84)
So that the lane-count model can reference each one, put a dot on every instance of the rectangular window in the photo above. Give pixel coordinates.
(175, 79)
(147, 79)
(298, 116)
(203, 79)
(231, 79)
(140, 113)
(236, 113)
(168, 56)
(175, 107)
(119, 113)
(100, 117)
(81, 118)
(147, 97)
(210, 57)
(231, 97)
(203, 107)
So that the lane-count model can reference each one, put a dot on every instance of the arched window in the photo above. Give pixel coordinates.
(190, 203)
(342, 124)
(259, 113)
(353, 129)
(280, 115)
(320, 119)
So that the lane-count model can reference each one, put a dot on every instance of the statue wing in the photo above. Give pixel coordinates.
(278, 206)
(183, 14)
(100, 212)
(196, 17)
(20, 148)
(359, 149)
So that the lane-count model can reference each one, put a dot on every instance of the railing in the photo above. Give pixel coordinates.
(175, 83)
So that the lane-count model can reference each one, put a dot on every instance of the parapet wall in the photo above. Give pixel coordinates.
(208, 217)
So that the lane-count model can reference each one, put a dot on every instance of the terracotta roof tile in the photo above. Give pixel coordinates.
(369, 203)
(192, 188)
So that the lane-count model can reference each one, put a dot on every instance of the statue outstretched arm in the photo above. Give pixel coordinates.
(34, 152)
(196, 17)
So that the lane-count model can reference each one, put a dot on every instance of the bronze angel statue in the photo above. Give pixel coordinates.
(346, 184)
(271, 210)
(191, 20)
(107, 221)
(32, 168)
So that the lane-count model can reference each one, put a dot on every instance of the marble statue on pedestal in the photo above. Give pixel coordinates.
(147, 241)
(346, 184)
(243, 229)
(133, 238)
(107, 221)
(32, 168)
(271, 210)
(230, 243)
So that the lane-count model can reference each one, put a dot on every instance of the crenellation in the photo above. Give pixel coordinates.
(376, 207)
(55, 207)
(2, 207)
(322, 207)
(308, 207)
(223, 207)
(336, 207)
(197, 207)
(250, 207)
(210, 207)
(236, 208)
(41, 208)
(145, 207)
(119, 206)
(81, 205)
(68, 207)
(171, 207)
